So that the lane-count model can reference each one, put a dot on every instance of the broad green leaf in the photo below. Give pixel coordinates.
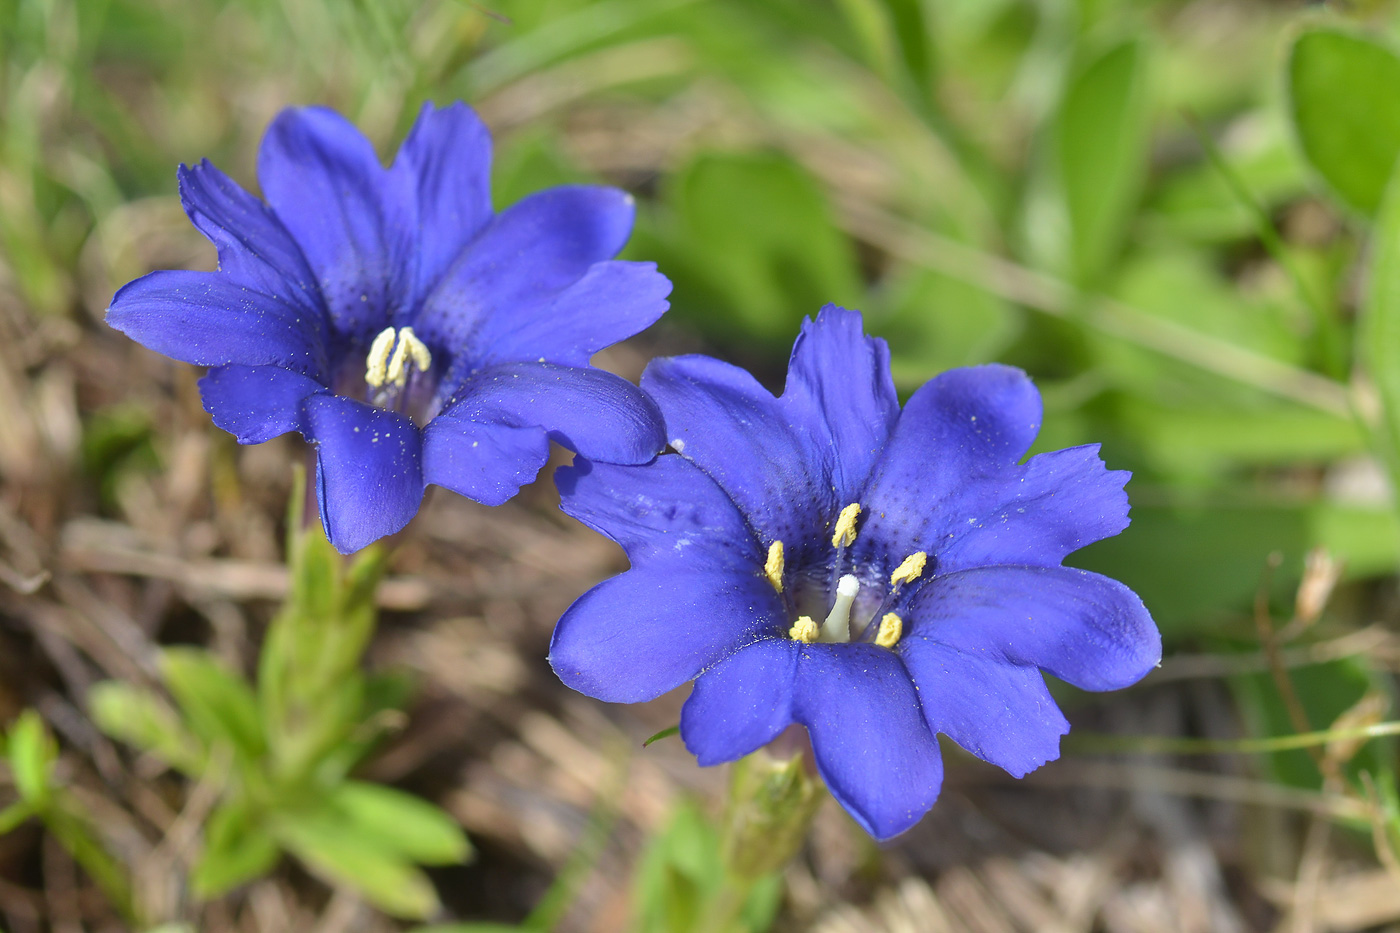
(218, 704)
(1378, 330)
(32, 753)
(133, 715)
(237, 849)
(1101, 150)
(1344, 92)
(334, 851)
(400, 823)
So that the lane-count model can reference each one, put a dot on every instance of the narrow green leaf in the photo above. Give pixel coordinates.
(1344, 92)
(32, 754)
(236, 850)
(1101, 150)
(338, 855)
(218, 704)
(133, 715)
(13, 815)
(663, 734)
(401, 823)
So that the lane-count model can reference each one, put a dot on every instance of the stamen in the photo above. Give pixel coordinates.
(845, 534)
(804, 630)
(837, 626)
(385, 367)
(891, 628)
(773, 569)
(910, 570)
(377, 362)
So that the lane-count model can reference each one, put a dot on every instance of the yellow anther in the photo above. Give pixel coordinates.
(910, 570)
(377, 362)
(390, 356)
(773, 569)
(891, 627)
(845, 533)
(804, 630)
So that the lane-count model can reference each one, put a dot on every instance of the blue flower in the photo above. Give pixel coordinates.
(876, 575)
(404, 328)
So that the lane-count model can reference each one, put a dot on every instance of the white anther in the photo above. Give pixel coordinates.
(377, 362)
(382, 366)
(837, 626)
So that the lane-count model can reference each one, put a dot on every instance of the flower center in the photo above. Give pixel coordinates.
(392, 358)
(836, 628)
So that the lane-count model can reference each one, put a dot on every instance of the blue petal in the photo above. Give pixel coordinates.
(839, 380)
(1082, 627)
(742, 703)
(484, 462)
(638, 635)
(355, 222)
(664, 511)
(253, 245)
(520, 263)
(611, 302)
(998, 711)
(591, 412)
(961, 425)
(256, 403)
(209, 319)
(872, 746)
(369, 473)
(1037, 514)
(719, 417)
(447, 160)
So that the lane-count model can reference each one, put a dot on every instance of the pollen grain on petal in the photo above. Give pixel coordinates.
(804, 630)
(910, 569)
(845, 533)
(891, 628)
(773, 568)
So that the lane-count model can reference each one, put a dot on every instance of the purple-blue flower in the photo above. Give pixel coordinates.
(408, 331)
(877, 575)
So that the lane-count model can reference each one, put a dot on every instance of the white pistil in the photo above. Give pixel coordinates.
(773, 569)
(845, 533)
(891, 628)
(837, 627)
(910, 570)
(804, 630)
(391, 355)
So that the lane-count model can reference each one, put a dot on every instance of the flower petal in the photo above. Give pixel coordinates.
(719, 417)
(611, 302)
(519, 264)
(645, 632)
(839, 382)
(447, 159)
(1084, 628)
(253, 245)
(742, 703)
(1037, 514)
(369, 473)
(591, 412)
(666, 510)
(484, 462)
(872, 746)
(210, 319)
(1000, 712)
(256, 403)
(962, 424)
(354, 221)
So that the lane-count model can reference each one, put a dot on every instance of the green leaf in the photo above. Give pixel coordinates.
(1344, 92)
(1378, 330)
(32, 754)
(13, 815)
(336, 853)
(401, 823)
(1101, 150)
(236, 850)
(219, 706)
(136, 716)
